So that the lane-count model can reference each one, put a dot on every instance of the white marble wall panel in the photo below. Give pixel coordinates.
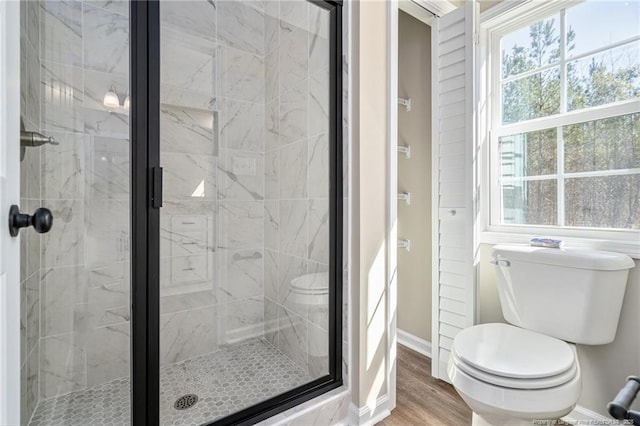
(242, 223)
(62, 365)
(188, 176)
(32, 314)
(290, 268)
(107, 173)
(63, 245)
(271, 224)
(318, 346)
(192, 300)
(197, 18)
(105, 40)
(293, 56)
(272, 175)
(292, 336)
(187, 334)
(61, 31)
(318, 157)
(271, 326)
(329, 409)
(62, 96)
(272, 124)
(63, 291)
(241, 125)
(188, 71)
(187, 130)
(271, 277)
(240, 175)
(244, 274)
(293, 114)
(293, 232)
(244, 319)
(272, 75)
(293, 170)
(241, 25)
(318, 38)
(319, 230)
(295, 13)
(116, 6)
(242, 75)
(99, 119)
(30, 174)
(29, 390)
(319, 102)
(63, 167)
(108, 353)
(106, 232)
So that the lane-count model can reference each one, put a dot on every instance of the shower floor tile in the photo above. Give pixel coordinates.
(224, 381)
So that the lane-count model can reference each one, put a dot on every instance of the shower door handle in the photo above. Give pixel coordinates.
(42, 220)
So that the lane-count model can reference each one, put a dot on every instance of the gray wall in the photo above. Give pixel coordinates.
(414, 176)
(604, 368)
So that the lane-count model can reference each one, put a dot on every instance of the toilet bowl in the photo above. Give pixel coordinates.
(512, 374)
(310, 294)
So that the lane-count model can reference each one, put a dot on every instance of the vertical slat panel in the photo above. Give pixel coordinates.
(454, 121)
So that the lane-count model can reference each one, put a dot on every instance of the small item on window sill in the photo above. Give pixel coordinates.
(546, 242)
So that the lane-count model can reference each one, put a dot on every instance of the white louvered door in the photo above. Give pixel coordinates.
(454, 141)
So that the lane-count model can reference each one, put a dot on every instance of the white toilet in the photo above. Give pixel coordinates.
(555, 298)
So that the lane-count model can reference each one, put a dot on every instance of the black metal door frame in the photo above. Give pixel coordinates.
(146, 191)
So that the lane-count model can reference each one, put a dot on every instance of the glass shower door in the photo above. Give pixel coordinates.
(244, 140)
(75, 280)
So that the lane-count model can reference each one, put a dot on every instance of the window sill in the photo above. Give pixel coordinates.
(629, 247)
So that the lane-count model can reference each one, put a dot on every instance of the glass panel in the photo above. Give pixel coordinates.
(603, 202)
(608, 144)
(528, 154)
(537, 95)
(244, 227)
(529, 202)
(531, 47)
(607, 77)
(75, 278)
(615, 20)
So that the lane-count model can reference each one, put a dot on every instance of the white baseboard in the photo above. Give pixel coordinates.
(414, 342)
(366, 416)
(583, 416)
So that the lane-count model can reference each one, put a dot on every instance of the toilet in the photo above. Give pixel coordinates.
(310, 294)
(553, 299)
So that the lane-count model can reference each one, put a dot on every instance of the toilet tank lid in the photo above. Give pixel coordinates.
(568, 257)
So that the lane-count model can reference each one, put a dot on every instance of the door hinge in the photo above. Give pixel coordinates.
(156, 182)
(476, 39)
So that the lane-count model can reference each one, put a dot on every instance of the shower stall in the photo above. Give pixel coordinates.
(190, 154)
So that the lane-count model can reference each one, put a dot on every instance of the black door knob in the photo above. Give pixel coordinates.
(42, 220)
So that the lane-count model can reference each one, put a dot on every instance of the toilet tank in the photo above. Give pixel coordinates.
(571, 294)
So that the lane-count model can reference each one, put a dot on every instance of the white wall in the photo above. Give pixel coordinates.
(369, 161)
(604, 368)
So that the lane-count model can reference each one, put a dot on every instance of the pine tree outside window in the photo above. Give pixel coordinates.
(565, 118)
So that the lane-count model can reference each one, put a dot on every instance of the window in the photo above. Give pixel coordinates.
(565, 117)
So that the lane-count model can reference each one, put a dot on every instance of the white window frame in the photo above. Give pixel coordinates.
(495, 23)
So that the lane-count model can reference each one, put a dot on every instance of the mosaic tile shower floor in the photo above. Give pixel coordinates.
(225, 381)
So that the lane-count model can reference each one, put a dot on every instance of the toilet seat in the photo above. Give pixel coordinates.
(512, 352)
(315, 284)
(507, 382)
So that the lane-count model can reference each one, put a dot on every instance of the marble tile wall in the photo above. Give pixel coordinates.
(296, 179)
(84, 181)
(29, 201)
(213, 158)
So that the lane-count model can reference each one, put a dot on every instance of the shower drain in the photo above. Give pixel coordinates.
(185, 401)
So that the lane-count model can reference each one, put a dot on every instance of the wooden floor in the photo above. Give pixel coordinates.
(422, 400)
